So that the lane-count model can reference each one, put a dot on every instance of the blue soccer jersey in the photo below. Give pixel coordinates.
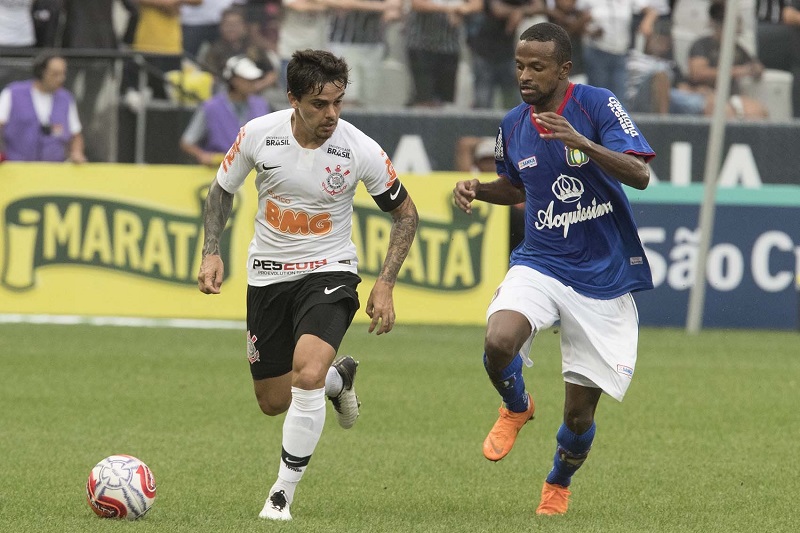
(579, 225)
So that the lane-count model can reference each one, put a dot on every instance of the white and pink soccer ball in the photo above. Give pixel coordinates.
(121, 486)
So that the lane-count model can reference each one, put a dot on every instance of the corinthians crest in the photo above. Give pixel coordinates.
(252, 352)
(335, 183)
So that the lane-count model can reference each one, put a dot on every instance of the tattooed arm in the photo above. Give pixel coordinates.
(217, 210)
(380, 306)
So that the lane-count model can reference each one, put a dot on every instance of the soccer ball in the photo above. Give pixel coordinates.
(121, 486)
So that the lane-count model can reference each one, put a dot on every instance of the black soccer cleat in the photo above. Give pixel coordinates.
(346, 404)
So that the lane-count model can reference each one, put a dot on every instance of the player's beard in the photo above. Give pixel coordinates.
(534, 98)
(325, 131)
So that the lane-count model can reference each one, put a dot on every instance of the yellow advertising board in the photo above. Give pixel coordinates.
(124, 241)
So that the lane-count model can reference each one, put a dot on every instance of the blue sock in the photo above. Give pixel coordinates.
(511, 386)
(570, 454)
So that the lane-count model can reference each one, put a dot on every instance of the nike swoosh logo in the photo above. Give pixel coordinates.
(330, 291)
(394, 196)
(265, 167)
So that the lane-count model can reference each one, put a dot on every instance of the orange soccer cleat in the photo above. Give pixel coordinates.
(555, 499)
(504, 432)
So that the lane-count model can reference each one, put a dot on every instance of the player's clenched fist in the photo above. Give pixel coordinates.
(209, 280)
(464, 193)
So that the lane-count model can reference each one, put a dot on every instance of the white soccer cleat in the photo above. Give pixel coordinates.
(276, 507)
(346, 403)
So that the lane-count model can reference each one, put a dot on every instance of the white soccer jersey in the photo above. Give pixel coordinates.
(305, 196)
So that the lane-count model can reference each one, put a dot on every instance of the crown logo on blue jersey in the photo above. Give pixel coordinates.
(567, 189)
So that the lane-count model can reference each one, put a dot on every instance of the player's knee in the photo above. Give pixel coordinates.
(311, 376)
(271, 405)
(500, 346)
(506, 332)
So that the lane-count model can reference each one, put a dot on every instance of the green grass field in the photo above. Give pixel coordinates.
(704, 442)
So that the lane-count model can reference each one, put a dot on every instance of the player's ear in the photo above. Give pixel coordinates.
(294, 102)
(565, 70)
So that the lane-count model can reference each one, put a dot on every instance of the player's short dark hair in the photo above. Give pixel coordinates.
(310, 70)
(40, 63)
(544, 32)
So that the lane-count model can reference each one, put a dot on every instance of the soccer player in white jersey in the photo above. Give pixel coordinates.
(565, 151)
(302, 264)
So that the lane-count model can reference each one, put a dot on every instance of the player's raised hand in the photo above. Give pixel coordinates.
(380, 308)
(212, 271)
(559, 128)
(464, 193)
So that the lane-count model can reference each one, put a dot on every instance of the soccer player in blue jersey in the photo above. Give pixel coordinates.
(566, 152)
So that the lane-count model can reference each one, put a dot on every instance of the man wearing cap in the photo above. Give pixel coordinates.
(474, 154)
(217, 121)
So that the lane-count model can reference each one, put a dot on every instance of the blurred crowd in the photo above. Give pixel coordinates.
(657, 56)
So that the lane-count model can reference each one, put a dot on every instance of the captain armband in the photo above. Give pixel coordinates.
(391, 199)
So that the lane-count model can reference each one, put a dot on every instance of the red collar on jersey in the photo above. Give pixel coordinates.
(567, 96)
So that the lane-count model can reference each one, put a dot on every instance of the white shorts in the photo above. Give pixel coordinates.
(598, 337)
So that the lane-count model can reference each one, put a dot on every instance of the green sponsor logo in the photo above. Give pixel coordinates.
(445, 256)
(72, 230)
(575, 157)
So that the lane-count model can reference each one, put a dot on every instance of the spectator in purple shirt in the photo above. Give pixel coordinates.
(38, 117)
(215, 123)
